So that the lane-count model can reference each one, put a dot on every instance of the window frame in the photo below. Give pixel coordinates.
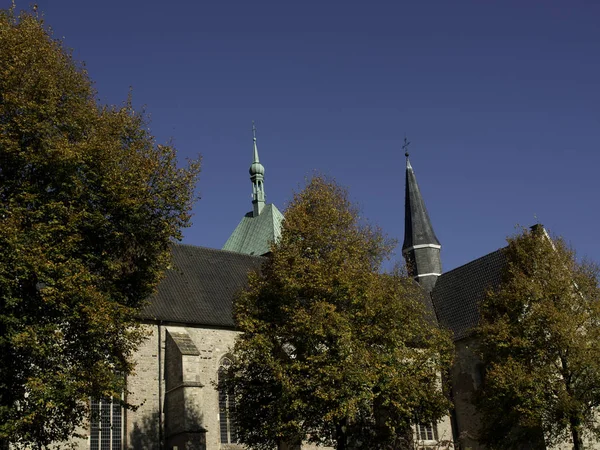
(226, 402)
(109, 436)
(426, 433)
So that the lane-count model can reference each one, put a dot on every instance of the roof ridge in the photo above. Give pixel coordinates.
(216, 250)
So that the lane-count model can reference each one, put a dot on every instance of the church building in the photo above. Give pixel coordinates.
(191, 331)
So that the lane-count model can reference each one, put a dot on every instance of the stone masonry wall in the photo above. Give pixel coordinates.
(466, 376)
(147, 386)
(465, 379)
(144, 427)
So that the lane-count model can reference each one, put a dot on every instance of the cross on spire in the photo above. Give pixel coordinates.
(405, 146)
(253, 131)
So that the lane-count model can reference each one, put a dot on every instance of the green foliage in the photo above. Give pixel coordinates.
(88, 207)
(332, 350)
(540, 344)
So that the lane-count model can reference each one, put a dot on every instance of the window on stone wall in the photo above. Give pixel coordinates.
(106, 425)
(427, 432)
(227, 427)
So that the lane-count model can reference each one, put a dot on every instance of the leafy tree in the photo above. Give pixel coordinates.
(89, 205)
(540, 344)
(332, 350)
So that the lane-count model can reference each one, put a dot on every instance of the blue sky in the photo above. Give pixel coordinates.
(500, 99)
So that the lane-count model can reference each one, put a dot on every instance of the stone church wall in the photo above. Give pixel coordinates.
(155, 390)
(143, 427)
(144, 424)
(147, 387)
(465, 378)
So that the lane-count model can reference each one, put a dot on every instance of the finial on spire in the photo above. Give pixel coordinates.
(257, 173)
(405, 146)
(256, 160)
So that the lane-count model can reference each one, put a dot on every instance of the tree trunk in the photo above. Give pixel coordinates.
(573, 421)
(576, 434)
(289, 445)
(340, 435)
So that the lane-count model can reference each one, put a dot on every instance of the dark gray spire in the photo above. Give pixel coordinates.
(417, 225)
(421, 247)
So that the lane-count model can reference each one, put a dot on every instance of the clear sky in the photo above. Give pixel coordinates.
(500, 99)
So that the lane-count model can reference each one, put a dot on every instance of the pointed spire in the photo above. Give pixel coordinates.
(255, 160)
(417, 225)
(421, 247)
(257, 173)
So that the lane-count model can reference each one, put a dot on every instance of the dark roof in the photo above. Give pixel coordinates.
(417, 225)
(200, 287)
(457, 293)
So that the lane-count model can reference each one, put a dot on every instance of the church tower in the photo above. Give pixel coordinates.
(421, 248)
(260, 227)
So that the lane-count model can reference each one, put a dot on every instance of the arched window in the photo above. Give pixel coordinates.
(227, 426)
(106, 425)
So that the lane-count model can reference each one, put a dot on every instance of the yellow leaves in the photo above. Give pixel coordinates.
(538, 341)
(88, 207)
(333, 333)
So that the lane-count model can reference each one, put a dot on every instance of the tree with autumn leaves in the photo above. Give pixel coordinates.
(89, 206)
(332, 350)
(540, 346)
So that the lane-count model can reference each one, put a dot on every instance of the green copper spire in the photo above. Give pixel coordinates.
(257, 175)
(259, 228)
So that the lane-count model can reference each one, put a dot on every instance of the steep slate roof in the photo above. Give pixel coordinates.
(200, 287)
(457, 293)
(254, 235)
(417, 225)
